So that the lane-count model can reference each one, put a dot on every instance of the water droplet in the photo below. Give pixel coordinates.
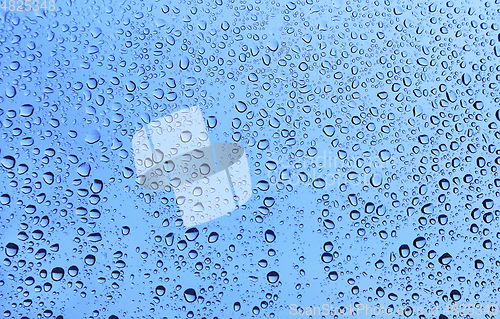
(404, 251)
(355, 214)
(73, 271)
(10, 91)
(213, 237)
(40, 254)
(8, 162)
(376, 180)
(95, 32)
(273, 277)
(190, 295)
(84, 169)
(57, 274)
(329, 224)
(333, 275)
(478, 264)
(186, 136)
(11, 249)
(327, 257)
(184, 62)
(93, 137)
(455, 295)
(26, 110)
(445, 259)
(419, 242)
(160, 290)
(270, 236)
(319, 183)
(211, 121)
(384, 155)
(192, 233)
(428, 208)
(329, 130)
(89, 260)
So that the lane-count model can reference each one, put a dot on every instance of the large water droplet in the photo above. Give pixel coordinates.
(376, 180)
(93, 136)
(57, 274)
(319, 183)
(160, 290)
(11, 249)
(8, 162)
(186, 136)
(273, 277)
(84, 169)
(329, 130)
(270, 236)
(190, 295)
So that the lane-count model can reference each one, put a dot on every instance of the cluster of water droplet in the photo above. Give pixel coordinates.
(370, 127)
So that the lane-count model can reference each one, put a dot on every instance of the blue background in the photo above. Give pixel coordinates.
(367, 124)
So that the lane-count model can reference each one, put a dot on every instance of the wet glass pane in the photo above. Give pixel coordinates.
(249, 159)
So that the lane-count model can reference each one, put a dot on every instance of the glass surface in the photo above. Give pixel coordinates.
(249, 159)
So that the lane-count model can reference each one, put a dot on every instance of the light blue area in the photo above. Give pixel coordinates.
(417, 81)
